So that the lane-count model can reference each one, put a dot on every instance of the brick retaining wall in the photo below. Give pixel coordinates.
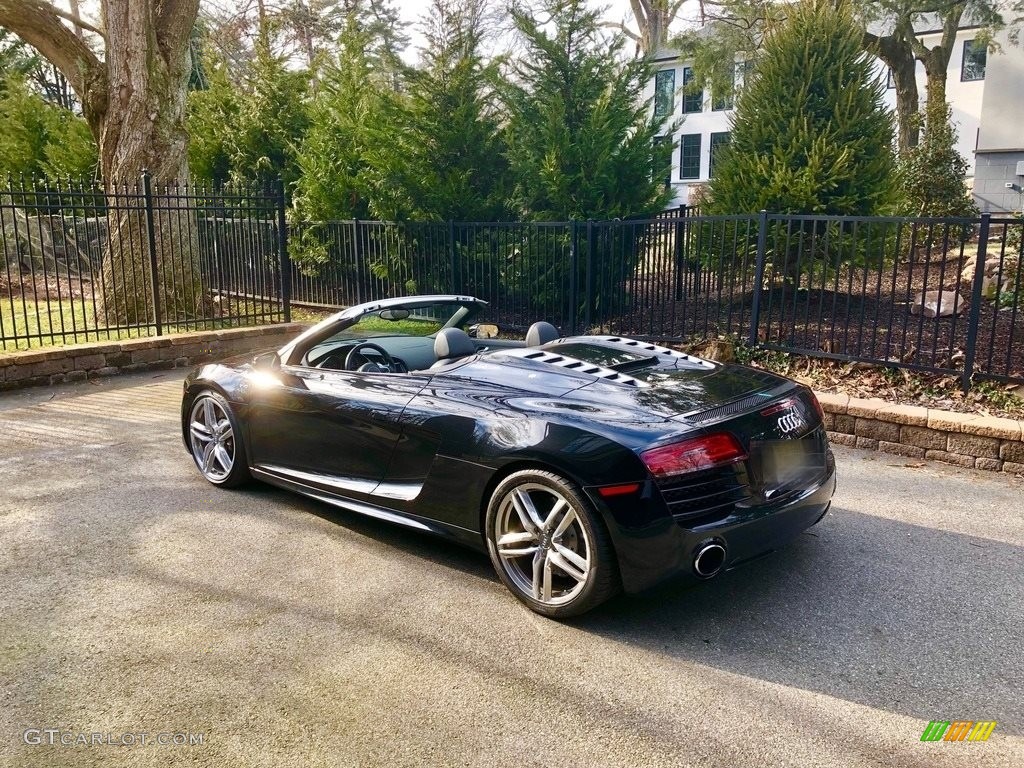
(53, 365)
(964, 439)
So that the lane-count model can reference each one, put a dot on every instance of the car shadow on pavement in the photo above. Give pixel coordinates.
(914, 620)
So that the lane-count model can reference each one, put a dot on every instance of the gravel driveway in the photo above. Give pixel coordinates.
(138, 601)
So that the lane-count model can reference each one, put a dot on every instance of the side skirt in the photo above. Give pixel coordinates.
(444, 530)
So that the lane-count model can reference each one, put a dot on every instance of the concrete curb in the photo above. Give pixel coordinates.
(55, 365)
(964, 439)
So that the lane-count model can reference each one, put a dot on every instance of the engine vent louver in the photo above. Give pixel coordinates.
(654, 349)
(580, 366)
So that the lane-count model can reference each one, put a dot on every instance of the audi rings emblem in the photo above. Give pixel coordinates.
(791, 421)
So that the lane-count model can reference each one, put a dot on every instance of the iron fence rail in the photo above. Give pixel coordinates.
(942, 295)
(81, 263)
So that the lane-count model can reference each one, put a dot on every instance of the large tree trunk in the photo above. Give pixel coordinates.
(134, 101)
(936, 59)
(896, 52)
(144, 128)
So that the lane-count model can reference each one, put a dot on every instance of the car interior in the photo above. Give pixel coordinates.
(370, 346)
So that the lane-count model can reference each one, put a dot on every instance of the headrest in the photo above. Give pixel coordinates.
(541, 333)
(453, 342)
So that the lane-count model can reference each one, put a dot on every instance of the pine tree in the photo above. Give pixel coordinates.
(273, 117)
(581, 138)
(212, 119)
(445, 147)
(339, 175)
(932, 173)
(810, 134)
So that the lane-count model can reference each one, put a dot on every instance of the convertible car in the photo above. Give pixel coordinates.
(583, 465)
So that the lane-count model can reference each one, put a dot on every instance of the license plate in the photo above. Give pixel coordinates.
(780, 463)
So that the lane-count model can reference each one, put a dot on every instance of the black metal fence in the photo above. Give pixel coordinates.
(940, 295)
(83, 264)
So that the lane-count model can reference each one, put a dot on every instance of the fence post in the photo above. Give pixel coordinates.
(282, 252)
(147, 199)
(451, 256)
(755, 308)
(589, 279)
(573, 279)
(975, 315)
(678, 255)
(357, 252)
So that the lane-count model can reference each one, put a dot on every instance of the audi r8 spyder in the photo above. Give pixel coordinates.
(582, 465)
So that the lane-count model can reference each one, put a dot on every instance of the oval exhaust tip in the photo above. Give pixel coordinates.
(709, 560)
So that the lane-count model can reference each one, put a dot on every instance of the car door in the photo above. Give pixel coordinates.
(331, 430)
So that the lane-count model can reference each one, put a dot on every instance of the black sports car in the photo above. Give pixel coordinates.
(583, 465)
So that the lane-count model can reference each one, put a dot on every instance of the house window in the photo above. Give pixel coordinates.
(744, 73)
(658, 142)
(664, 92)
(718, 140)
(692, 101)
(689, 156)
(722, 101)
(975, 58)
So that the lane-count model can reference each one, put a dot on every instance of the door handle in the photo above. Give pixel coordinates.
(380, 417)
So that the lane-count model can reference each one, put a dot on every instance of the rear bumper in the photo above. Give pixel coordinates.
(660, 548)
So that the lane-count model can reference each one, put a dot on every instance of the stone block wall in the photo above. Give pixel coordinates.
(54, 365)
(967, 440)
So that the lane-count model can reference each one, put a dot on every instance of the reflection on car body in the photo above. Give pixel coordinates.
(582, 465)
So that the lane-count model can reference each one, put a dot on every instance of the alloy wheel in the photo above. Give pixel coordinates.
(542, 545)
(212, 439)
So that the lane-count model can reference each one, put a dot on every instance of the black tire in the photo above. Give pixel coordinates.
(210, 443)
(542, 564)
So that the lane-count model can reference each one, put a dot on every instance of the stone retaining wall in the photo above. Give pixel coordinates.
(53, 365)
(967, 440)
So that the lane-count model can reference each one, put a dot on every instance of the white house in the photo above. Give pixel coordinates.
(985, 91)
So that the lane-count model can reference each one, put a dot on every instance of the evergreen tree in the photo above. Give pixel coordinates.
(40, 138)
(932, 173)
(581, 138)
(810, 133)
(349, 122)
(445, 148)
(273, 117)
(212, 121)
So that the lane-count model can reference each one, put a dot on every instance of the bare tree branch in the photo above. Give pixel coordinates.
(622, 28)
(41, 25)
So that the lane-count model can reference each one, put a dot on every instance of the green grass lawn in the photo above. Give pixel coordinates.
(75, 321)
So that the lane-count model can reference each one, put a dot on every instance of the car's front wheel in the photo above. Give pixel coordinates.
(548, 546)
(215, 441)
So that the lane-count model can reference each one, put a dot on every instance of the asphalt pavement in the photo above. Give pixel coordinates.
(137, 602)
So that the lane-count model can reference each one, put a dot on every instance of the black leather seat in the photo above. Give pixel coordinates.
(450, 344)
(541, 333)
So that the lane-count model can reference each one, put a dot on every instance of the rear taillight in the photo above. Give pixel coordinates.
(694, 454)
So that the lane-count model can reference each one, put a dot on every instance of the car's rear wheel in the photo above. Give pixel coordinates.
(548, 545)
(215, 441)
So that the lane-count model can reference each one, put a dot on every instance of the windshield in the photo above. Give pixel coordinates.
(417, 321)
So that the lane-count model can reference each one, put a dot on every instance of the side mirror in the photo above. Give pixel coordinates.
(484, 331)
(267, 361)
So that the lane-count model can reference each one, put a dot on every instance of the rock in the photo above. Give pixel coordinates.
(719, 350)
(998, 276)
(945, 303)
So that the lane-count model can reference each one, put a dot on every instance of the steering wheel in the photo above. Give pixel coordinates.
(352, 363)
